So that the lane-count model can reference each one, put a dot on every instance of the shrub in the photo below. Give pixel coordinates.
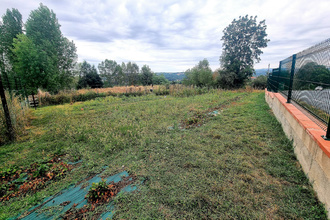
(260, 82)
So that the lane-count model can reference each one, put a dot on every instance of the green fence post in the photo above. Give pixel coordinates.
(293, 64)
(327, 136)
(278, 77)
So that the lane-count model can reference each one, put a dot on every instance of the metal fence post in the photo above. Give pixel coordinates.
(291, 77)
(327, 136)
(278, 77)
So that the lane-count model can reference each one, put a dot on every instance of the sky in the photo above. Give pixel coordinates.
(174, 35)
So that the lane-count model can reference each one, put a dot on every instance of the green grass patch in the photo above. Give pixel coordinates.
(237, 164)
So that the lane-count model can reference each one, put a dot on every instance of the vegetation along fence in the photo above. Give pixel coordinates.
(304, 78)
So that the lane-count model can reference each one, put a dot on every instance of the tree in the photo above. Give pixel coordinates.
(227, 80)
(130, 73)
(29, 64)
(146, 75)
(132, 70)
(124, 74)
(159, 79)
(200, 75)
(89, 77)
(111, 71)
(242, 43)
(10, 27)
(43, 29)
(66, 63)
(260, 82)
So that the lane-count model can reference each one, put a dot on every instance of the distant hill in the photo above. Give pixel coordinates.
(178, 76)
(172, 76)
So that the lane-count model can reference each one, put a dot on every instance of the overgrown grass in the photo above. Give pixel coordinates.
(19, 115)
(238, 164)
(71, 96)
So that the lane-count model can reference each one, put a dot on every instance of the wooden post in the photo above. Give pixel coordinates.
(6, 111)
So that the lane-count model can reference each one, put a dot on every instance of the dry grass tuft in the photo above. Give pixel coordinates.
(20, 115)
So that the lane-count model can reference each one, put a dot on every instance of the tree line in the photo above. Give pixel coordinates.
(127, 74)
(41, 57)
(113, 74)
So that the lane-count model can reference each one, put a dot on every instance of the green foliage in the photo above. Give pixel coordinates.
(310, 76)
(127, 74)
(173, 77)
(96, 191)
(159, 79)
(30, 65)
(40, 170)
(112, 72)
(89, 77)
(10, 27)
(44, 56)
(259, 83)
(131, 73)
(200, 75)
(7, 172)
(242, 43)
(146, 76)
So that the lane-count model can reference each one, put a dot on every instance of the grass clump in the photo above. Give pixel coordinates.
(71, 96)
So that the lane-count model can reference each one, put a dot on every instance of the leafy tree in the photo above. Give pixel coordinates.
(111, 71)
(10, 27)
(130, 73)
(227, 80)
(242, 43)
(66, 63)
(260, 82)
(132, 70)
(89, 77)
(310, 76)
(200, 75)
(124, 73)
(29, 64)
(159, 79)
(146, 75)
(43, 29)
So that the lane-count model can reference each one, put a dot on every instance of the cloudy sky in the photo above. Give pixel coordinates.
(174, 35)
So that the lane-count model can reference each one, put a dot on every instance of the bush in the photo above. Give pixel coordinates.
(19, 115)
(259, 83)
(63, 97)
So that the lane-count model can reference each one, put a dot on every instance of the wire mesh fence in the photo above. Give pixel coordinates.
(305, 78)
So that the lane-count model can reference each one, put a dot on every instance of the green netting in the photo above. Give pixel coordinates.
(54, 206)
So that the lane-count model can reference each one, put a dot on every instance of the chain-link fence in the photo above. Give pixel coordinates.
(304, 78)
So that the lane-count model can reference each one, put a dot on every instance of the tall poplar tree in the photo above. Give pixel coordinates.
(10, 27)
(58, 53)
(243, 40)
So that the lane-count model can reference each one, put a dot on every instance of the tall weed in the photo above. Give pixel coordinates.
(19, 115)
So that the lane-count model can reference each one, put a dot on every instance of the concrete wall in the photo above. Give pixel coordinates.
(313, 152)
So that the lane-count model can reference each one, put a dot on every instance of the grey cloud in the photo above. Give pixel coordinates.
(176, 34)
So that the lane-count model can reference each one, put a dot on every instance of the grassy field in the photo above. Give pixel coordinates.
(235, 165)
